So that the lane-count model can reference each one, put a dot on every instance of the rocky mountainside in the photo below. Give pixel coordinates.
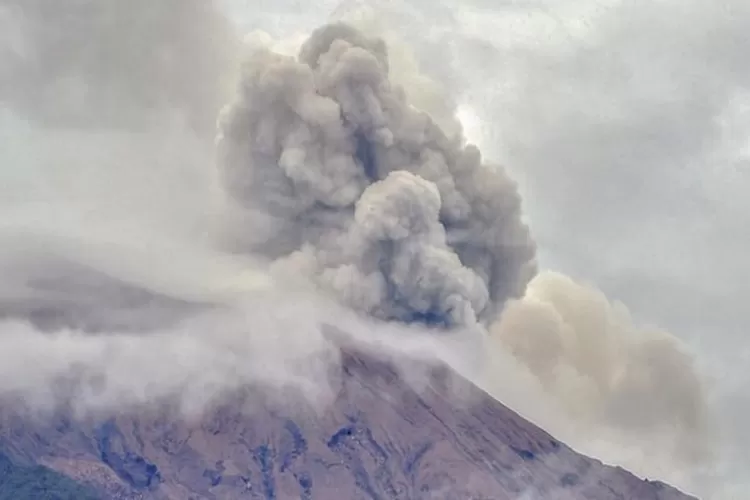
(381, 438)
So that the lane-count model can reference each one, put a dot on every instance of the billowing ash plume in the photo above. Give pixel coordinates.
(365, 192)
(601, 367)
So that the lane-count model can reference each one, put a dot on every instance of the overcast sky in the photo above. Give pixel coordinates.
(626, 124)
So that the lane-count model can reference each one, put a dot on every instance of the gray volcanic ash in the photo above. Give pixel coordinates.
(365, 192)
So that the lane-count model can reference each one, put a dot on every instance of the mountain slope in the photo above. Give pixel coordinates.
(38, 483)
(380, 439)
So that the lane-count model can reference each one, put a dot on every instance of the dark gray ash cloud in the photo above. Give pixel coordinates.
(367, 193)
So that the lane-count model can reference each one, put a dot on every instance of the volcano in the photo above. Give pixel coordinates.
(380, 437)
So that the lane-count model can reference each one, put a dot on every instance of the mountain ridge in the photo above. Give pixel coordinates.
(380, 438)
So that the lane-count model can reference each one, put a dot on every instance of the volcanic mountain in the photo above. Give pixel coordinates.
(380, 437)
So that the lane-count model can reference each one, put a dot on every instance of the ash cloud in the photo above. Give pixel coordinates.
(602, 368)
(366, 193)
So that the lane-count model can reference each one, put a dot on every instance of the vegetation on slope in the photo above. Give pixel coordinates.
(38, 483)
